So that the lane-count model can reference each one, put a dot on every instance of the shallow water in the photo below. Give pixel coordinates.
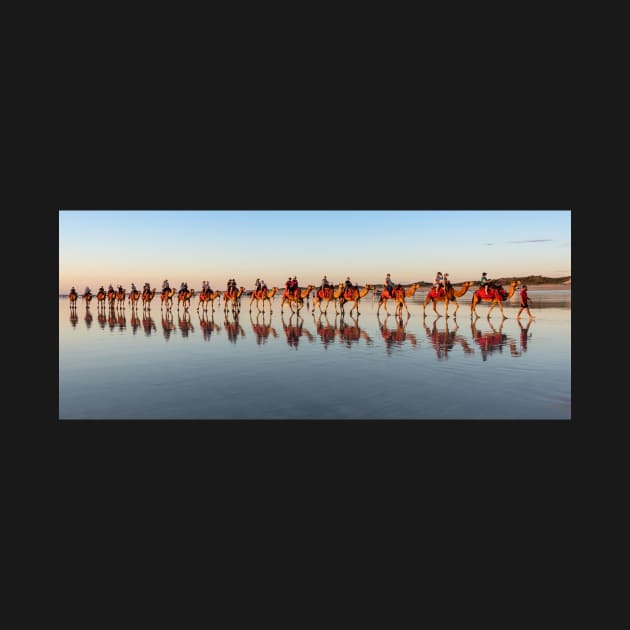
(126, 364)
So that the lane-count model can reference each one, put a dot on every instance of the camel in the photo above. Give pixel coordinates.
(399, 295)
(450, 295)
(120, 297)
(207, 296)
(235, 298)
(147, 296)
(87, 296)
(183, 298)
(73, 295)
(353, 295)
(298, 299)
(166, 298)
(261, 296)
(134, 297)
(496, 297)
(100, 297)
(111, 297)
(327, 294)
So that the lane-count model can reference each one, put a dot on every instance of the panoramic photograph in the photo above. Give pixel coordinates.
(324, 315)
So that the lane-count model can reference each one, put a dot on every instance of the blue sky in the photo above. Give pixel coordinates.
(119, 247)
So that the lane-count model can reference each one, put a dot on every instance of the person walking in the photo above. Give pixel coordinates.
(524, 303)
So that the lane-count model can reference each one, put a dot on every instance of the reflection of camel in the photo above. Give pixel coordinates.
(168, 327)
(147, 296)
(183, 298)
(397, 294)
(294, 332)
(349, 334)
(261, 296)
(443, 341)
(399, 335)
(234, 299)
(185, 325)
(448, 295)
(88, 316)
(74, 317)
(233, 328)
(121, 320)
(208, 326)
(489, 342)
(297, 299)
(353, 295)
(102, 320)
(496, 297)
(135, 321)
(148, 324)
(262, 330)
(327, 295)
(207, 296)
(111, 318)
(166, 298)
(325, 331)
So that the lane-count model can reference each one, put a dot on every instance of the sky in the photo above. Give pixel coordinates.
(98, 247)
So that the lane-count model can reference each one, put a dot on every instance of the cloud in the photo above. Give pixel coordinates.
(488, 243)
(532, 240)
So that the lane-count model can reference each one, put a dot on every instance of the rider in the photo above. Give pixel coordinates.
(389, 284)
(446, 283)
(485, 283)
(287, 285)
(437, 281)
(349, 284)
(183, 287)
(258, 286)
(133, 287)
(293, 287)
(263, 286)
(111, 288)
(73, 291)
(87, 291)
(165, 286)
(325, 283)
(146, 288)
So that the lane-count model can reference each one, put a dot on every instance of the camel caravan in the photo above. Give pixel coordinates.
(295, 297)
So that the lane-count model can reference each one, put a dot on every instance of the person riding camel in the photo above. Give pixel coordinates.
(146, 289)
(263, 286)
(165, 286)
(389, 285)
(293, 287)
(73, 291)
(446, 283)
(257, 289)
(485, 284)
(437, 281)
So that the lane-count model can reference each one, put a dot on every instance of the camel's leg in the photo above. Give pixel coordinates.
(490, 309)
(456, 307)
(501, 309)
